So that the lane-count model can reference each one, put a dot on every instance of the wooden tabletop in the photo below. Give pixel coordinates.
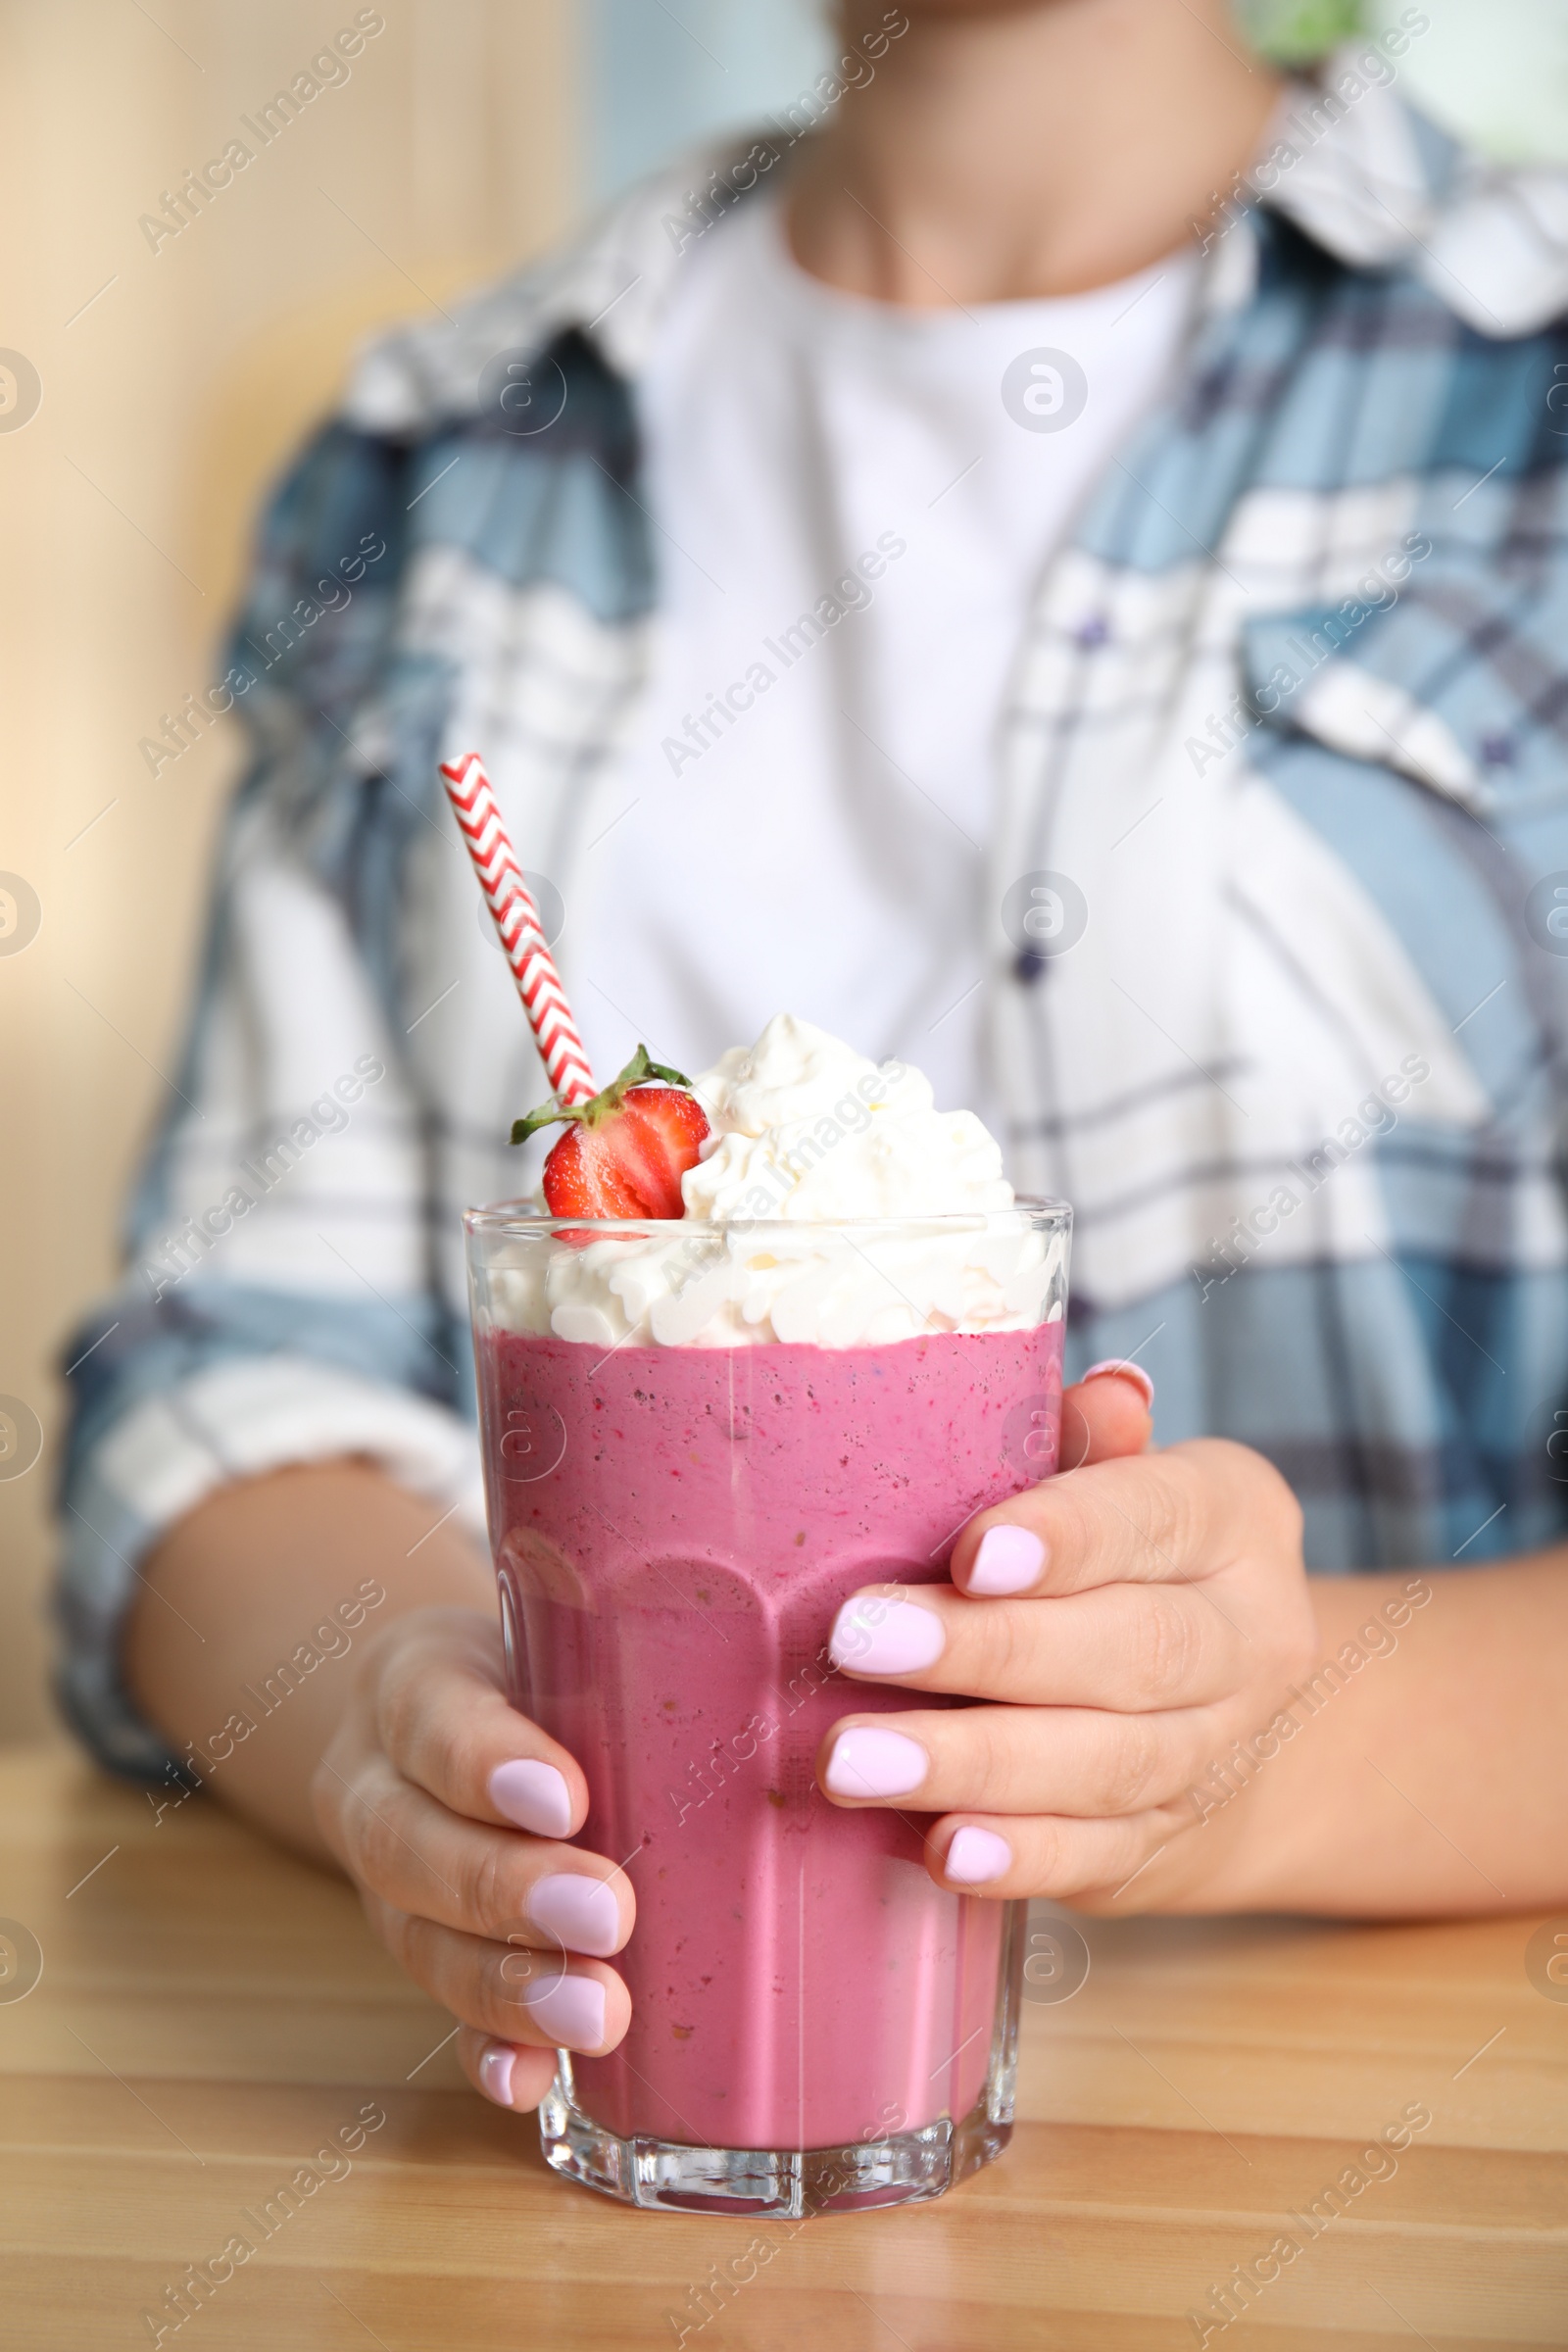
(209, 2015)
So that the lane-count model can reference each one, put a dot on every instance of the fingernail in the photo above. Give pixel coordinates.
(976, 1857)
(534, 1796)
(495, 2073)
(569, 2009)
(580, 1912)
(867, 1762)
(1010, 1561)
(877, 1636)
(1124, 1369)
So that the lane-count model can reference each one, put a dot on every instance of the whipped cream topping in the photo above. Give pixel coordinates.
(806, 1132)
(803, 1126)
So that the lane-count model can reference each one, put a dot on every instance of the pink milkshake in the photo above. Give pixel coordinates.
(677, 1510)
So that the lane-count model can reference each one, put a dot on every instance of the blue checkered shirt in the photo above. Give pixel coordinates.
(1289, 719)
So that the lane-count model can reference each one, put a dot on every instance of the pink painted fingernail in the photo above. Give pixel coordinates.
(580, 1912)
(569, 2009)
(868, 1762)
(534, 1796)
(1123, 1368)
(976, 1857)
(1010, 1561)
(873, 1634)
(495, 2073)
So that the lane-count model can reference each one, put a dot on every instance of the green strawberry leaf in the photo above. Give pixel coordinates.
(638, 1071)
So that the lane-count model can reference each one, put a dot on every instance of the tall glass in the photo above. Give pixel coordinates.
(816, 2024)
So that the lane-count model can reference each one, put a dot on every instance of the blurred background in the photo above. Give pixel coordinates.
(146, 398)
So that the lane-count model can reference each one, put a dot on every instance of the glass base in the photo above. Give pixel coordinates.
(906, 2169)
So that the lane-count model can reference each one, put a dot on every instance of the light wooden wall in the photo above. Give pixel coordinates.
(167, 403)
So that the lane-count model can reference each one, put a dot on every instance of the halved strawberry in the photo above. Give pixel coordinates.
(624, 1153)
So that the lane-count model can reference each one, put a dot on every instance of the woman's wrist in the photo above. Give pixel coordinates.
(264, 1567)
(1370, 1807)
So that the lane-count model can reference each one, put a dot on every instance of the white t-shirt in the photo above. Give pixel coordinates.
(851, 503)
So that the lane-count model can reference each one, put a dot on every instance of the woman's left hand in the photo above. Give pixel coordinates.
(1129, 1620)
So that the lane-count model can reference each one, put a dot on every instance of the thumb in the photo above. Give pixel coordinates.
(1107, 1415)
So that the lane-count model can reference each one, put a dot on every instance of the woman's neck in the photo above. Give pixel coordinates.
(1005, 152)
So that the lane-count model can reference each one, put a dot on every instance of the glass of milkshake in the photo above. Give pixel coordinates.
(701, 1436)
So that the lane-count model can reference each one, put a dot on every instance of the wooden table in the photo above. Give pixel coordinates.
(209, 2014)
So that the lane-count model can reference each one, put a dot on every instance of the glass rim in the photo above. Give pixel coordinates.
(527, 1218)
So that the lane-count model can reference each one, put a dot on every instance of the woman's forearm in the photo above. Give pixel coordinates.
(242, 1643)
(1421, 1769)
(1426, 1769)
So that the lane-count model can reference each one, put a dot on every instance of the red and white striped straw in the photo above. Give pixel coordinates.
(517, 920)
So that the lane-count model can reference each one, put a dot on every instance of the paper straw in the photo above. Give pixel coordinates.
(517, 920)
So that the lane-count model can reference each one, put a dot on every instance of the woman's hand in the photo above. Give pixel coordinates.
(1131, 1618)
(446, 1808)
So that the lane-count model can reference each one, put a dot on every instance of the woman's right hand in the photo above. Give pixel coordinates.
(446, 1807)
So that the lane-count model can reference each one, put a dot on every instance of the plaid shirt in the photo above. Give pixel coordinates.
(1284, 755)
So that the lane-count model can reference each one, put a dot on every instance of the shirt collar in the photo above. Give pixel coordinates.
(614, 285)
(1344, 157)
(1382, 187)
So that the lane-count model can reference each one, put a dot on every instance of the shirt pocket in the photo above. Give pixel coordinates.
(1456, 678)
(1425, 738)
